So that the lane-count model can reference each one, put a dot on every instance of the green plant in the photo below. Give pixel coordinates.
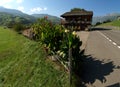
(57, 40)
(71, 40)
(18, 27)
(77, 9)
(47, 33)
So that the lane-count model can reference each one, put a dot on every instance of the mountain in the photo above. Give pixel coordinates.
(9, 20)
(54, 19)
(101, 19)
(17, 13)
(13, 15)
(11, 11)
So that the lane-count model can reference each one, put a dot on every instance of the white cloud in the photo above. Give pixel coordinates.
(21, 8)
(4, 2)
(10, 3)
(45, 8)
(8, 6)
(19, 1)
(38, 9)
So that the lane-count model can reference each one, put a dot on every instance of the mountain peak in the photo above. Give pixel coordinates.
(11, 11)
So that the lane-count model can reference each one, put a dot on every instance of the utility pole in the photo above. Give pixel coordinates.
(70, 55)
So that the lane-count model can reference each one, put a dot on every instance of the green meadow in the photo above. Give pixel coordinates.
(23, 63)
(115, 23)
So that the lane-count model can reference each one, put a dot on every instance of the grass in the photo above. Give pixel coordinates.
(23, 64)
(113, 23)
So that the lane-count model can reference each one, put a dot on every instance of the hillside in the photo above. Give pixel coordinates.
(17, 13)
(110, 17)
(23, 64)
(8, 16)
(11, 11)
(7, 19)
(113, 23)
(110, 25)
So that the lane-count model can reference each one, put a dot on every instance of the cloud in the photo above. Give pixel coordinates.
(4, 2)
(8, 6)
(38, 9)
(9, 3)
(19, 1)
(45, 8)
(21, 8)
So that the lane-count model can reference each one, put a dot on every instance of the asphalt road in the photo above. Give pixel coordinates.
(102, 59)
(114, 35)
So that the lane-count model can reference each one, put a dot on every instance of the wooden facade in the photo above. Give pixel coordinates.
(78, 20)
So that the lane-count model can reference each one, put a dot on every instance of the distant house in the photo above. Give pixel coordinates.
(79, 19)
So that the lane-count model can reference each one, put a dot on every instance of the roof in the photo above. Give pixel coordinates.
(77, 13)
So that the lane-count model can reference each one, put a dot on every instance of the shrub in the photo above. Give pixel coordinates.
(18, 27)
(57, 40)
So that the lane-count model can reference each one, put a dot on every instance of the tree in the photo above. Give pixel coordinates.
(18, 27)
(98, 23)
(107, 21)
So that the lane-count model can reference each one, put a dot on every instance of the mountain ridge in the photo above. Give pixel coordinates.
(32, 17)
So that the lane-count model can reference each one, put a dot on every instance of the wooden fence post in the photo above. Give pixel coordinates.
(70, 65)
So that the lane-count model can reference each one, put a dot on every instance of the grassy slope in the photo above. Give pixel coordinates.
(22, 64)
(113, 23)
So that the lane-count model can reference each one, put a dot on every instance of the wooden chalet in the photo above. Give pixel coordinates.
(78, 19)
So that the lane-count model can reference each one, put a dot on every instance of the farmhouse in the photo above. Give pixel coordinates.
(78, 19)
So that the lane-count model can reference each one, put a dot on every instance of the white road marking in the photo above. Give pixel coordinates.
(114, 43)
(109, 39)
(105, 36)
(118, 46)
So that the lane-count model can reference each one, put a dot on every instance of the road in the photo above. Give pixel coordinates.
(102, 59)
(114, 35)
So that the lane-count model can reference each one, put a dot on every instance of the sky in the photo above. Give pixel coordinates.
(58, 7)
